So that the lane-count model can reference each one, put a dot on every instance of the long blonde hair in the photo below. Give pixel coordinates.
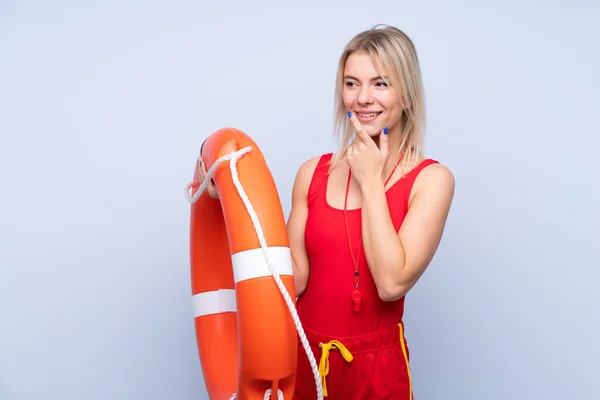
(393, 51)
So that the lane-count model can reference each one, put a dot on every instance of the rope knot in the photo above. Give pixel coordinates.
(233, 156)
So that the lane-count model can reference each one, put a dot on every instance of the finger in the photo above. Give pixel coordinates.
(199, 170)
(383, 142)
(211, 188)
(361, 133)
(205, 172)
(204, 167)
(212, 191)
(353, 151)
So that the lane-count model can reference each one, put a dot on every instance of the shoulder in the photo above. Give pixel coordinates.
(306, 171)
(435, 180)
(308, 167)
(436, 174)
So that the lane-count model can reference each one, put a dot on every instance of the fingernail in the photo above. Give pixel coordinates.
(385, 130)
(349, 114)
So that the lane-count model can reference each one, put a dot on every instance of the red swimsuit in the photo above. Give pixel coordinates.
(366, 351)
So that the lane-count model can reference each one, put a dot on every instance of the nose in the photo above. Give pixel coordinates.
(364, 95)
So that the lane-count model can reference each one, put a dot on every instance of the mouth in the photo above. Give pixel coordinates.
(367, 116)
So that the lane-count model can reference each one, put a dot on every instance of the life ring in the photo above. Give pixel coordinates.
(242, 280)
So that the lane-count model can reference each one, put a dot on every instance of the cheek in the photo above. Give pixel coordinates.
(391, 104)
(348, 98)
(388, 100)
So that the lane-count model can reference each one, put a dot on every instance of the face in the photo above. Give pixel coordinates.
(367, 95)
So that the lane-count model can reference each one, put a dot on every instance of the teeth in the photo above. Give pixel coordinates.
(367, 115)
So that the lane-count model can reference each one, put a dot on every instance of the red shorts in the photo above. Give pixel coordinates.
(375, 367)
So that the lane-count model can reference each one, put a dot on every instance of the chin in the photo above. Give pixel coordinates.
(373, 131)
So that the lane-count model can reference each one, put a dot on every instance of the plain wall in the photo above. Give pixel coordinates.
(103, 108)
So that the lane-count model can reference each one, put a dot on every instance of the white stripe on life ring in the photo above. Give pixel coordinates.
(250, 264)
(214, 302)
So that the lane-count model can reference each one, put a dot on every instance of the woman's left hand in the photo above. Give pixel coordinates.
(365, 159)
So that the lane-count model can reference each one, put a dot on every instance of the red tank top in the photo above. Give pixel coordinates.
(326, 305)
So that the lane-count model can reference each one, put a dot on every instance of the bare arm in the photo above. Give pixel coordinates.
(397, 260)
(297, 222)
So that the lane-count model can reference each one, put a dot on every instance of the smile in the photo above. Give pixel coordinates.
(368, 115)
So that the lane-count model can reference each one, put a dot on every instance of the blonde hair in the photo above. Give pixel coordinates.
(394, 52)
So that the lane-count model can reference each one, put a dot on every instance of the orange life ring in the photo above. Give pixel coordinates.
(246, 336)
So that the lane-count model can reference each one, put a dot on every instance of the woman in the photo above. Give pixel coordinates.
(365, 223)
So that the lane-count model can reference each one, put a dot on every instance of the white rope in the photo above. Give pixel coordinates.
(267, 395)
(233, 157)
(211, 172)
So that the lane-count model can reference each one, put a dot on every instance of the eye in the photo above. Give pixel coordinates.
(349, 84)
(381, 84)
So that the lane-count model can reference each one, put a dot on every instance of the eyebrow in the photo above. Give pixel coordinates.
(384, 78)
